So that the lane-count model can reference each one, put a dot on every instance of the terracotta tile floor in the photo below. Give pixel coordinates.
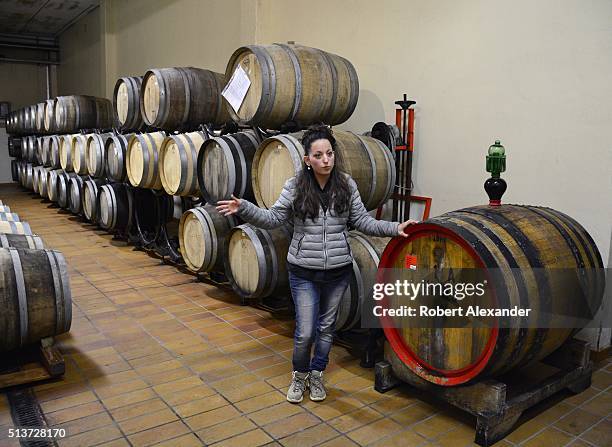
(155, 358)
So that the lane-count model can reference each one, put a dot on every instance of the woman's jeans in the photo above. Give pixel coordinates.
(316, 308)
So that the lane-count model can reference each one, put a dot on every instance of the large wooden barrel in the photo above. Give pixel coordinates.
(43, 182)
(224, 166)
(76, 112)
(35, 171)
(366, 159)
(75, 194)
(52, 187)
(126, 101)
(256, 261)
(366, 252)
(40, 118)
(182, 98)
(115, 156)
(178, 156)
(49, 121)
(202, 234)
(15, 227)
(523, 246)
(37, 291)
(78, 153)
(114, 205)
(89, 197)
(44, 151)
(293, 83)
(9, 217)
(65, 152)
(63, 190)
(142, 160)
(54, 156)
(95, 154)
(21, 241)
(27, 176)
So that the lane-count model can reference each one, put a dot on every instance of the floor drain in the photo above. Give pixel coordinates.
(27, 414)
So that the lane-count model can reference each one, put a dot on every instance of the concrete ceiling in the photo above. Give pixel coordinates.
(45, 18)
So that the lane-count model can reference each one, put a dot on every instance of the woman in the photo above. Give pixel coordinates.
(322, 201)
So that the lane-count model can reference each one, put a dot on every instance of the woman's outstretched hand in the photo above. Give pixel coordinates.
(228, 207)
(401, 227)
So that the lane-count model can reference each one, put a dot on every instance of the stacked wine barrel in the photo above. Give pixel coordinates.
(37, 302)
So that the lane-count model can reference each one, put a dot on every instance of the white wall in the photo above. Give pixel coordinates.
(5, 161)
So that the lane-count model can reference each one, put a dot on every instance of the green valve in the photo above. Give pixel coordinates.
(496, 159)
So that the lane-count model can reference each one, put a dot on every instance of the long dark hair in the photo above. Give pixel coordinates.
(306, 202)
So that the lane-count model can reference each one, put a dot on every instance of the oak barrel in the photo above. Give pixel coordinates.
(31, 241)
(49, 121)
(89, 195)
(43, 182)
(40, 118)
(256, 261)
(366, 252)
(53, 154)
(126, 101)
(142, 156)
(224, 166)
(178, 156)
(293, 83)
(9, 217)
(76, 112)
(27, 176)
(15, 227)
(75, 194)
(63, 188)
(95, 154)
(52, 179)
(115, 156)
(15, 170)
(78, 153)
(366, 159)
(114, 205)
(65, 152)
(202, 234)
(526, 244)
(182, 98)
(37, 296)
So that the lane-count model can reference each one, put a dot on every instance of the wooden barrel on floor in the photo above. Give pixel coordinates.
(142, 156)
(367, 251)
(9, 217)
(526, 245)
(43, 187)
(21, 241)
(202, 234)
(78, 153)
(293, 83)
(65, 152)
(27, 176)
(256, 261)
(38, 301)
(115, 156)
(114, 205)
(182, 98)
(49, 121)
(95, 154)
(15, 227)
(126, 101)
(54, 156)
(63, 188)
(366, 159)
(52, 179)
(75, 194)
(178, 156)
(224, 166)
(89, 197)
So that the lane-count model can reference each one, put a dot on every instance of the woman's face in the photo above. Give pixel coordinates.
(321, 157)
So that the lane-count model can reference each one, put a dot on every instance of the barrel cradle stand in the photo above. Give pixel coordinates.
(496, 403)
(32, 364)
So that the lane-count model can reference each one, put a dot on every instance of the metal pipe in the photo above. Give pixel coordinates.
(27, 61)
(30, 47)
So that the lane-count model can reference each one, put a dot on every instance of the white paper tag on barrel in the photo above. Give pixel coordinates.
(236, 89)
